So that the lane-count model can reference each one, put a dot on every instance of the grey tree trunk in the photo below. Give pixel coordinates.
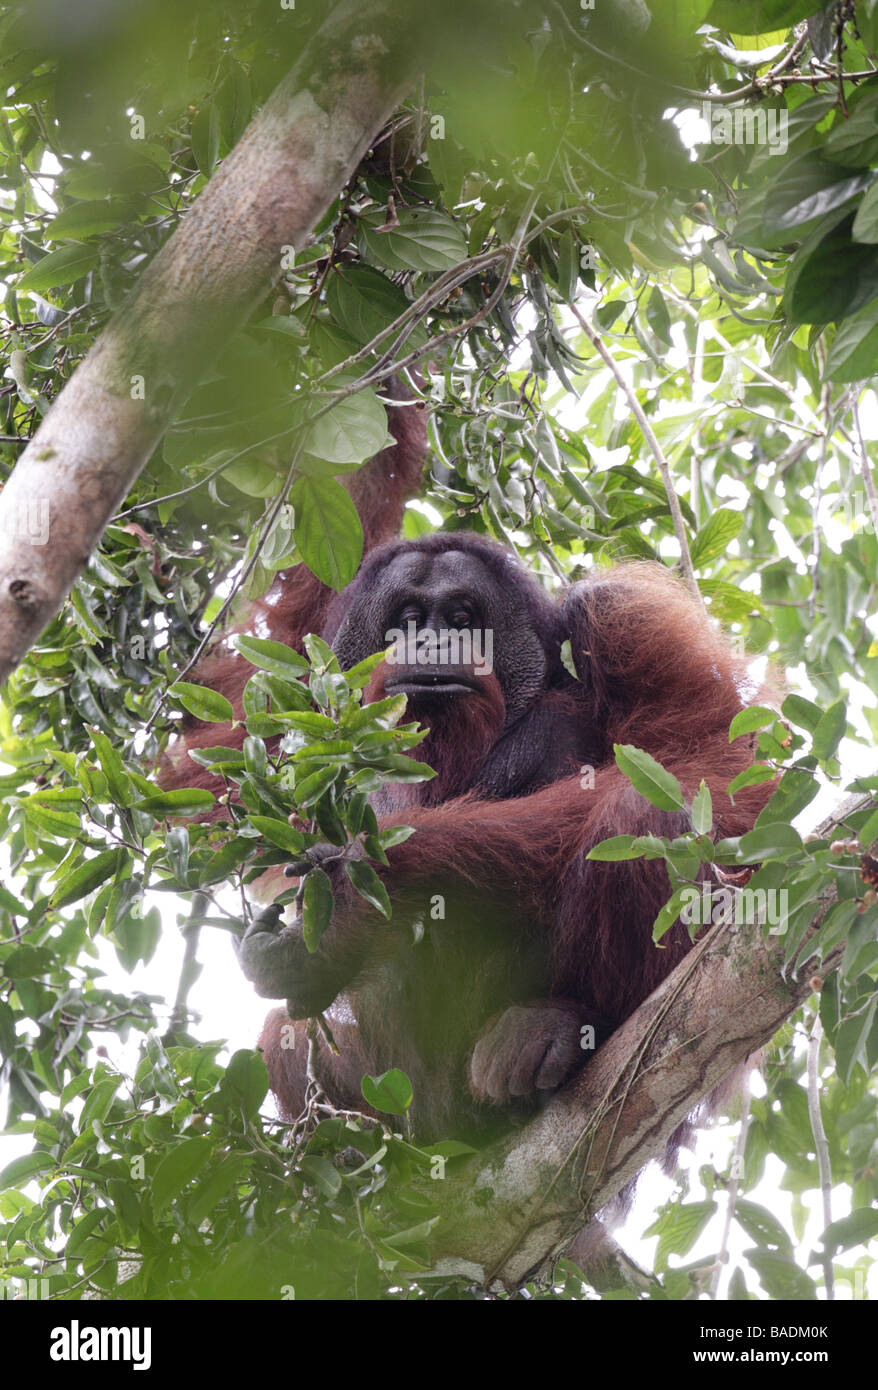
(223, 258)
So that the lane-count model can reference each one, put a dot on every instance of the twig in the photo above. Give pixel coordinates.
(757, 87)
(202, 482)
(510, 253)
(654, 446)
(863, 465)
(188, 970)
(818, 498)
(415, 312)
(733, 1190)
(257, 551)
(824, 1168)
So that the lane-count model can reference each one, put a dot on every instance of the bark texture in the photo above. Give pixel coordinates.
(221, 261)
(509, 1210)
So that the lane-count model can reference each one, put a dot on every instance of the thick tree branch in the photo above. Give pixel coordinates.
(204, 283)
(510, 1209)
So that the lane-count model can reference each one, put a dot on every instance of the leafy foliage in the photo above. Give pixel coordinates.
(703, 191)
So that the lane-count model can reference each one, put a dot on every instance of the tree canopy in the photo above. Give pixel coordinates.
(628, 258)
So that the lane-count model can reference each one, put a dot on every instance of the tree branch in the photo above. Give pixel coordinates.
(652, 442)
(821, 1146)
(510, 1209)
(201, 287)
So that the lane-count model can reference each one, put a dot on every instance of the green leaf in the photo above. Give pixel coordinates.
(23, 1168)
(274, 657)
(126, 1205)
(363, 302)
(234, 100)
(312, 723)
(118, 780)
(59, 268)
(10, 903)
(400, 768)
(328, 533)
(796, 789)
(854, 141)
(188, 801)
(781, 1277)
(87, 877)
(801, 712)
(617, 847)
(98, 1103)
(245, 1081)
(321, 1173)
(316, 907)
(857, 1229)
(650, 846)
(567, 658)
(660, 787)
(320, 653)
(27, 962)
(761, 1225)
(753, 717)
(679, 1226)
(396, 835)
(177, 842)
(728, 603)
(61, 825)
(255, 757)
(88, 219)
(854, 352)
(390, 710)
(178, 1167)
(830, 731)
(865, 226)
(670, 912)
(832, 280)
(205, 704)
(205, 138)
(758, 17)
(568, 266)
(425, 240)
(78, 1239)
(391, 1092)
(368, 884)
(314, 784)
(806, 188)
(852, 1039)
(218, 757)
(702, 810)
(774, 841)
(214, 1186)
(280, 832)
(751, 777)
(868, 831)
(607, 314)
(350, 433)
(358, 676)
(715, 536)
(657, 316)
